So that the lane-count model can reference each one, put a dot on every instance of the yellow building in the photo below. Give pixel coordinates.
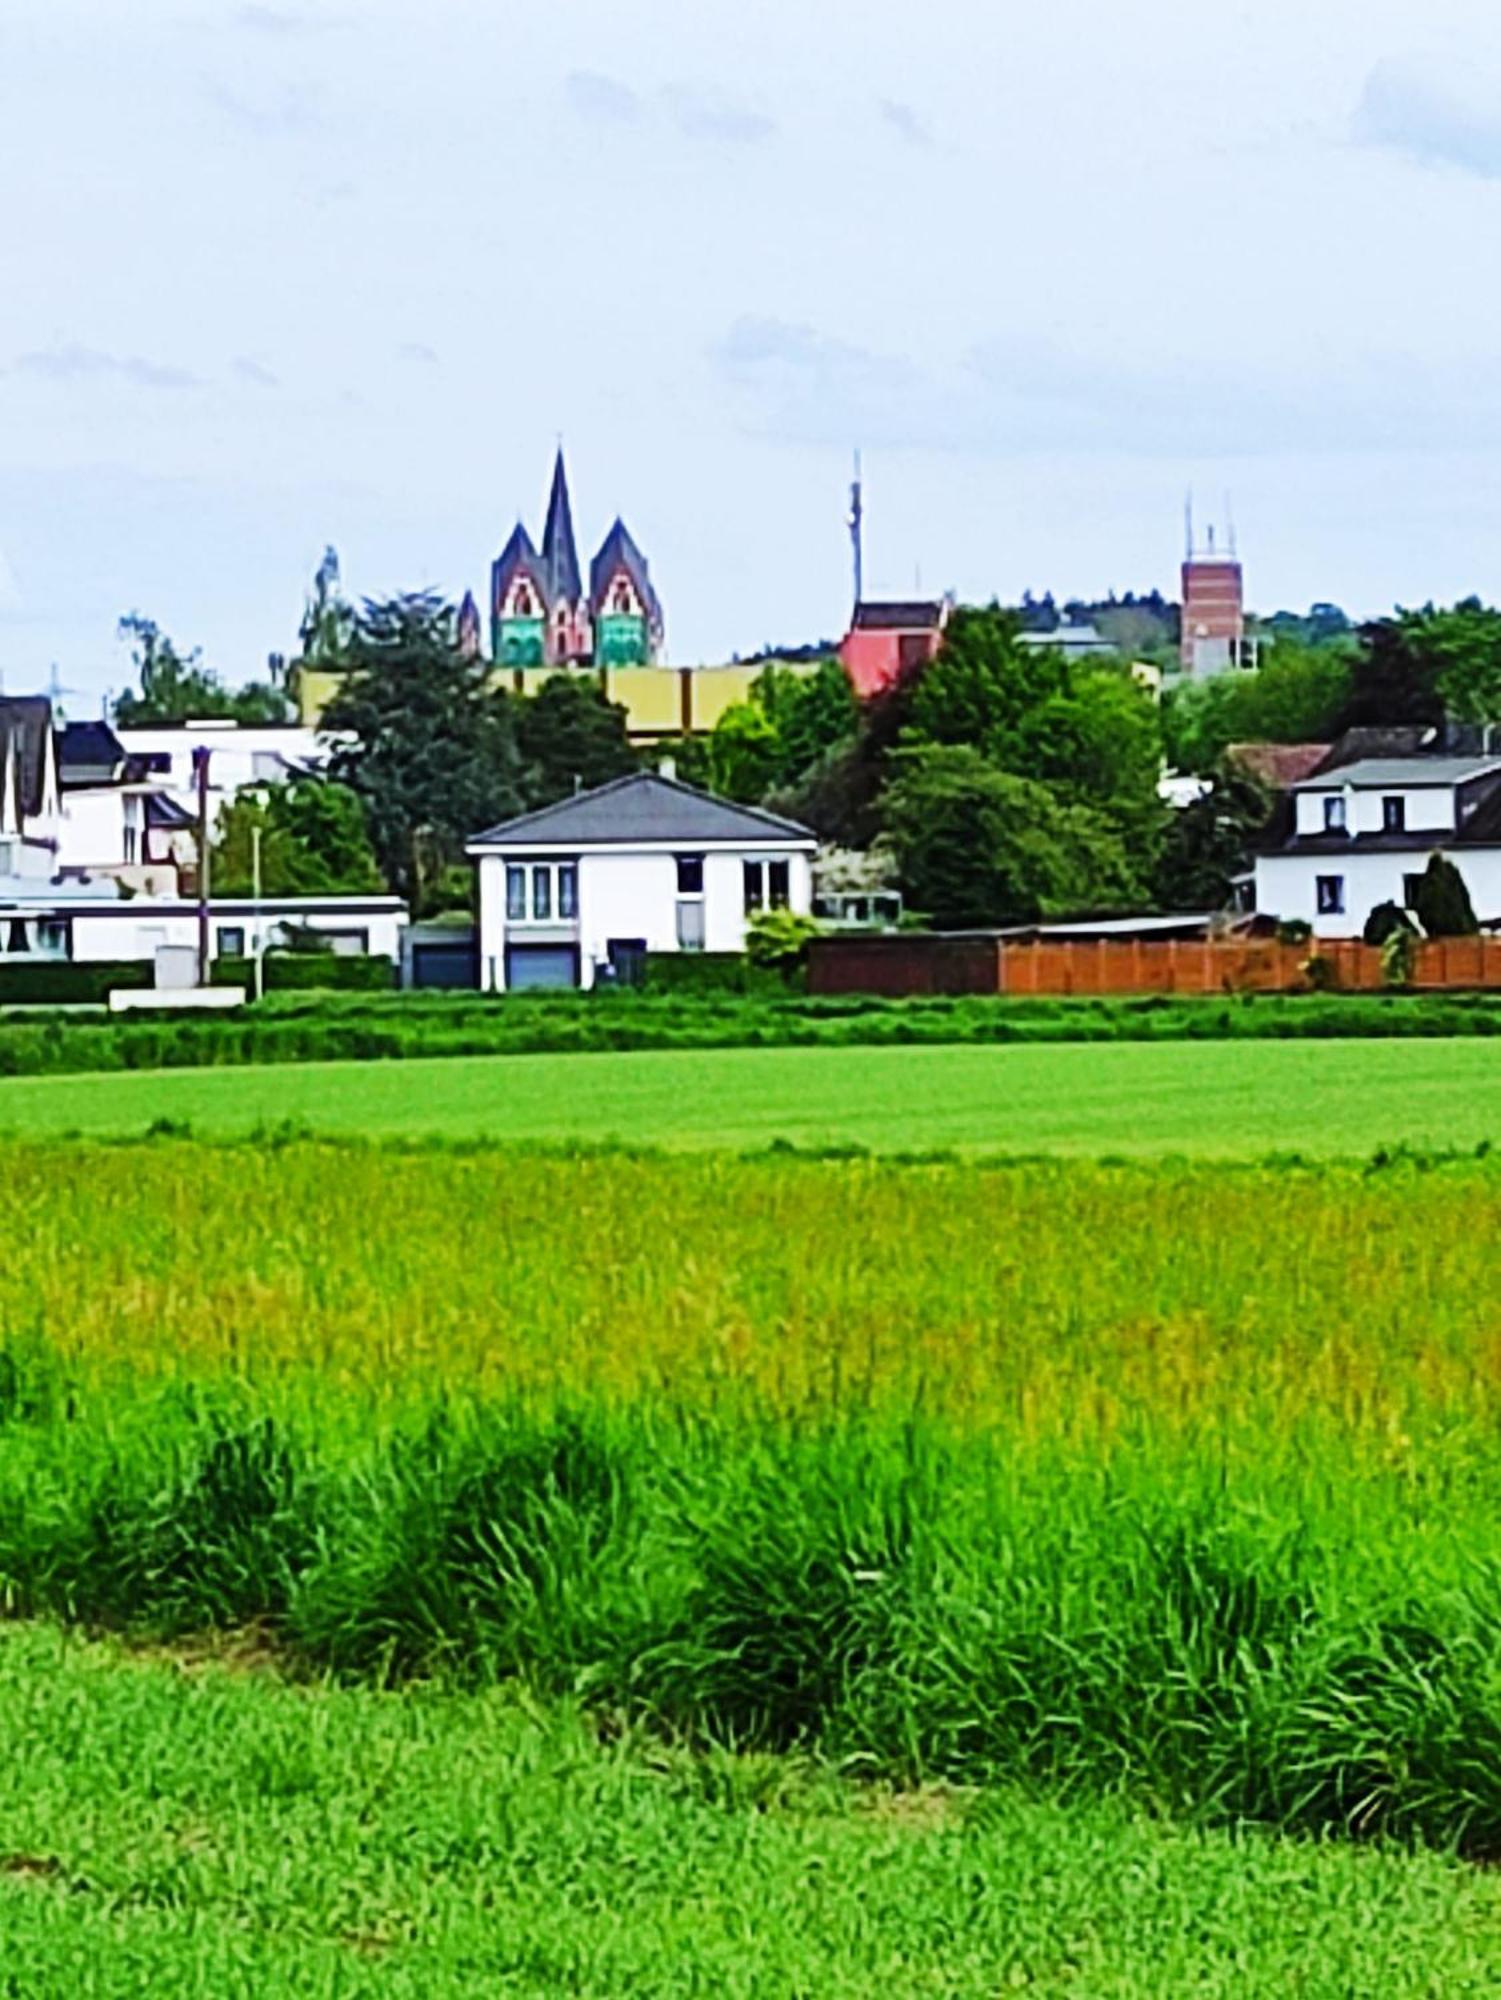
(659, 702)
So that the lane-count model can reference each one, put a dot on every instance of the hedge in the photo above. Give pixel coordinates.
(64, 982)
(712, 972)
(308, 971)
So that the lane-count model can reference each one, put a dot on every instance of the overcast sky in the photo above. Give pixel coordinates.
(287, 272)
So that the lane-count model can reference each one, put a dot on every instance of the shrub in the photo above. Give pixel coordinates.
(1385, 919)
(1442, 902)
(309, 971)
(1398, 953)
(778, 940)
(65, 983)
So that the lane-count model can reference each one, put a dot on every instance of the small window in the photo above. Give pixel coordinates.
(1331, 895)
(515, 893)
(1411, 887)
(755, 887)
(780, 875)
(690, 874)
(568, 890)
(1394, 814)
(690, 926)
(231, 941)
(541, 893)
(1334, 813)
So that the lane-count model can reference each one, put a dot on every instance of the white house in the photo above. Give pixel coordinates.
(241, 755)
(584, 889)
(1362, 833)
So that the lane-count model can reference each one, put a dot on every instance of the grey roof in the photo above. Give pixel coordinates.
(899, 615)
(26, 722)
(640, 808)
(1371, 773)
(560, 556)
(85, 747)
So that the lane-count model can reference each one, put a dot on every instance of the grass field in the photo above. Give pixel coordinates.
(1321, 1098)
(186, 1831)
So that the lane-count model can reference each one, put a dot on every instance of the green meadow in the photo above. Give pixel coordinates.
(1215, 1098)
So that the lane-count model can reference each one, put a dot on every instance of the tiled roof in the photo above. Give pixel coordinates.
(639, 809)
(1278, 765)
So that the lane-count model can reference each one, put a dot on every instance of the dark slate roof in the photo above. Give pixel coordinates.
(518, 554)
(639, 808)
(618, 550)
(88, 747)
(899, 615)
(164, 811)
(1401, 739)
(560, 556)
(26, 721)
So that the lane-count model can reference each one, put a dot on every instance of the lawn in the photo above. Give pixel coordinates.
(186, 1827)
(1320, 1098)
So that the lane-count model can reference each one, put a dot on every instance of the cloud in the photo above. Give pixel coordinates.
(419, 352)
(1008, 397)
(250, 370)
(907, 123)
(69, 362)
(708, 114)
(692, 112)
(602, 99)
(288, 108)
(1426, 110)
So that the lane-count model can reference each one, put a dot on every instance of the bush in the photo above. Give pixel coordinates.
(309, 971)
(1442, 902)
(64, 983)
(1384, 921)
(778, 940)
(701, 972)
(1398, 952)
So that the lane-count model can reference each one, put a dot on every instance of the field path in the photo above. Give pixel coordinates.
(1330, 1098)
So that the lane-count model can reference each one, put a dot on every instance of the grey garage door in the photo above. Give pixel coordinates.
(532, 965)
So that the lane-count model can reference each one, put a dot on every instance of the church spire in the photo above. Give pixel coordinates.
(560, 558)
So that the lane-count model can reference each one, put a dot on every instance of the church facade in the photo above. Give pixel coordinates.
(543, 612)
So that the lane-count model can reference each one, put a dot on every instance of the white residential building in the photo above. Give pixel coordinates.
(1362, 833)
(583, 890)
(241, 755)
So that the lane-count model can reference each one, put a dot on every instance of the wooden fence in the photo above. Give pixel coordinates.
(907, 965)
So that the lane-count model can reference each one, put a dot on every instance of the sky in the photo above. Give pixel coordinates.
(282, 273)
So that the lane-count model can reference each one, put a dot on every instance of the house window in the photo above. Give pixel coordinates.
(568, 890)
(231, 941)
(1331, 895)
(755, 887)
(52, 936)
(515, 893)
(1394, 814)
(691, 925)
(541, 894)
(780, 876)
(690, 874)
(1411, 887)
(1334, 813)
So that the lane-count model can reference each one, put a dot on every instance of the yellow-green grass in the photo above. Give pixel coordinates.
(181, 1829)
(1247, 1099)
(1179, 1480)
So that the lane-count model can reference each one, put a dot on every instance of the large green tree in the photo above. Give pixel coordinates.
(313, 842)
(433, 756)
(790, 724)
(1085, 731)
(178, 687)
(1459, 652)
(570, 739)
(1296, 695)
(977, 846)
(1210, 842)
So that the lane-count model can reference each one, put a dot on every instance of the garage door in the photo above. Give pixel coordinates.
(451, 965)
(532, 965)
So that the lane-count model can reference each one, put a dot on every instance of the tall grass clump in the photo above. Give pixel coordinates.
(1172, 1481)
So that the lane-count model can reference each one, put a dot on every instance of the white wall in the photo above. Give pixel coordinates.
(1286, 884)
(140, 927)
(240, 755)
(1429, 808)
(631, 893)
(92, 829)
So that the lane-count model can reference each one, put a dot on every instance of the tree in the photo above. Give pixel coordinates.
(314, 842)
(570, 738)
(812, 714)
(1084, 730)
(744, 753)
(177, 687)
(1441, 903)
(433, 758)
(1392, 680)
(978, 846)
(1296, 695)
(1459, 652)
(1209, 842)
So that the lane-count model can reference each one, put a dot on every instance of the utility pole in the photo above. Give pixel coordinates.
(857, 530)
(255, 893)
(200, 774)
